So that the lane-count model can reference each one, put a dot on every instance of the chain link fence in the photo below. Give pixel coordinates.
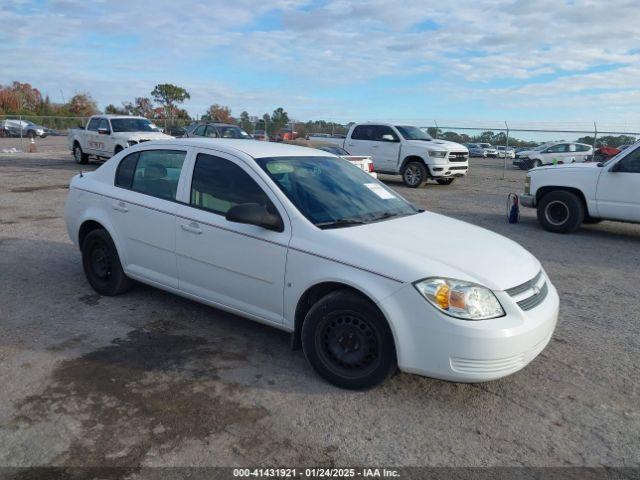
(502, 140)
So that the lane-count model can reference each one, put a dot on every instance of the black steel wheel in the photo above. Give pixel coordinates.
(561, 212)
(102, 266)
(348, 341)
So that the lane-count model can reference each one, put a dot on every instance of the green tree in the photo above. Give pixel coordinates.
(169, 96)
(245, 123)
(111, 109)
(279, 119)
(141, 106)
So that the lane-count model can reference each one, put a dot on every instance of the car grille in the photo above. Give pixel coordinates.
(457, 168)
(530, 294)
(458, 157)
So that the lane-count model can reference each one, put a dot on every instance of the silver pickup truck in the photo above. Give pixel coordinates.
(106, 135)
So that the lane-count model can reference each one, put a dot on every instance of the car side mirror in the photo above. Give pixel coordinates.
(388, 138)
(104, 131)
(255, 214)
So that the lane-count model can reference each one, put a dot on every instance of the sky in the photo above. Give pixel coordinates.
(545, 61)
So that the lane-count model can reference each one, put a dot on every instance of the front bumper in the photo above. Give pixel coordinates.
(435, 345)
(453, 169)
(527, 200)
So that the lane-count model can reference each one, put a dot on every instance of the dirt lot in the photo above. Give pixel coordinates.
(152, 379)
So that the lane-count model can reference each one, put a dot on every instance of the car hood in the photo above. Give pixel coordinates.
(144, 135)
(567, 166)
(427, 144)
(429, 245)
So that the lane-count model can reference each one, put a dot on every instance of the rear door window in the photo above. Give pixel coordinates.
(157, 173)
(126, 170)
(363, 132)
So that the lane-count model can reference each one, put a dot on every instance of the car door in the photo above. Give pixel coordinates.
(618, 192)
(386, 148)
(237, 266)
(105, 138)
(555, 153)
(361, 143)
(91, 142)
(143, 210)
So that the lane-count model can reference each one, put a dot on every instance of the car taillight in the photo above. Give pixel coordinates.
(371, 167)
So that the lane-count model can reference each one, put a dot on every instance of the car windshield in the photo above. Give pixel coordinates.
(133, 125)
(485, 145)
(413, 133)
(333, 193)
(336, 150)
(230, 131)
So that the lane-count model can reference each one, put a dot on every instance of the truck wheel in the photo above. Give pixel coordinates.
(524, 164)
(560, 212)
(80, 157)
(348, 342)
(414, 174)
(445, 181)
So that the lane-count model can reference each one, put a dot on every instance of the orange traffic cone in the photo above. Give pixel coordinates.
(32, 146)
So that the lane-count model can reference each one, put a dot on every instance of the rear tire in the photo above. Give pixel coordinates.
(414, 174)
(445, 181)
(79, 156)
(101, 264)
(561, 212)
(348, 342)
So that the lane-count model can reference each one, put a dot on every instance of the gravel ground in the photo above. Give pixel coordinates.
(151, 379)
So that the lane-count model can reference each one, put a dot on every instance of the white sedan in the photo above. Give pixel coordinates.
(304, 241)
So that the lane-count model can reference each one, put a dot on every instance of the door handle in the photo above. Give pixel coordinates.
(191, 228)
(120, 206)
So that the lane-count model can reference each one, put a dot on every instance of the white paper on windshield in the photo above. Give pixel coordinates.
(380, 191)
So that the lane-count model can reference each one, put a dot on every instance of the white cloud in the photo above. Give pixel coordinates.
(527, 51)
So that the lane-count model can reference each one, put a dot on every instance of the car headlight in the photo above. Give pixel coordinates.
(131, 142)
(460, 299)
(437, 153)
(527, 184)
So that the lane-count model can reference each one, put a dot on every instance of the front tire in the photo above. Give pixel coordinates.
(414, 174)
(445, 181)
(561, 212)
(102, 266)
(79, 156)
(348, 342)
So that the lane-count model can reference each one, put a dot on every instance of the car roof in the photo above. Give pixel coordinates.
(253, 148)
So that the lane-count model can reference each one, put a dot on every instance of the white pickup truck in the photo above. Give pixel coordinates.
(106, 135)
(571, 194)
(405, 150)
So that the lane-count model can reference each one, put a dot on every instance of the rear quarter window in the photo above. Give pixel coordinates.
(125, 171)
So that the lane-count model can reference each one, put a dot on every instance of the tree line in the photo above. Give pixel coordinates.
(165, 102)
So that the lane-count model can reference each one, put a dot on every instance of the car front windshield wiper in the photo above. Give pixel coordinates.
(341, 222)
(386, 215)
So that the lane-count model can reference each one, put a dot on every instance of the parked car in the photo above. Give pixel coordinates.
(362, 162)
(505, 152)
(216, 130)
(407, 151)
(298, 239)
(175, 130)
(605, 153)
(566, 196)
(261, 135)
(556, 152)
(22, 128)
(107, 135)
(482, 150)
